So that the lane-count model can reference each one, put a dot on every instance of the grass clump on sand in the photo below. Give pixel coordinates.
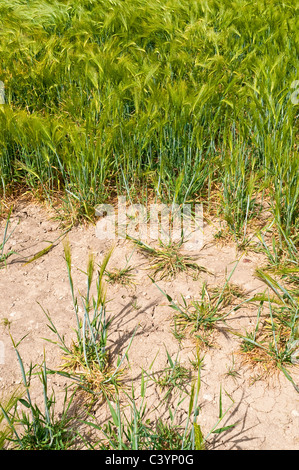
(167, 261)
(274, 344)
(32, 428)
(87, 360)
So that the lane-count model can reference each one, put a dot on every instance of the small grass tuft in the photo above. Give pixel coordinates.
(167, 261)
(122, 276)
(175, 377)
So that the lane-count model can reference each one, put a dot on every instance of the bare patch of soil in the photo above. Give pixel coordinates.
(266, 410)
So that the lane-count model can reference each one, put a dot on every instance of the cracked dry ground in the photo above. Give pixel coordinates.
(266, 409)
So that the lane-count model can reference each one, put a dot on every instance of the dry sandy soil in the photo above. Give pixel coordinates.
(266, 410)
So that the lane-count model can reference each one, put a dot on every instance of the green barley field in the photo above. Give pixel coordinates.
(176, 101)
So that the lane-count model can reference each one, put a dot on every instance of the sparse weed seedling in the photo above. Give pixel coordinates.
(132, 427)
(167, 261)
(122, 276)
(201, 317)
(34, 429)
(275, 339)
(4, 256)
(8, 404)
(172, 379)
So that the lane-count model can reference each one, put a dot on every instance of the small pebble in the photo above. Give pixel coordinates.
(208, 397)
